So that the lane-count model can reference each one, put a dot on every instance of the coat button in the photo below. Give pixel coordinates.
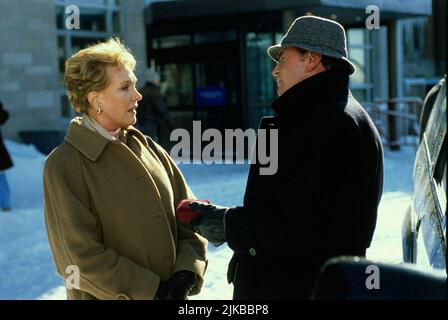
(252, 252)
(122, 296)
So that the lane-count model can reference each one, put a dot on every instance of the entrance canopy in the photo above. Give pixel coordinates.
(344, 11)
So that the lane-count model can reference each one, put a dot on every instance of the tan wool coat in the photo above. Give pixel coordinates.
(110, 212)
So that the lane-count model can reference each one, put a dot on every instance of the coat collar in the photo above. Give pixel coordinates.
(302, 97)
(92, 144)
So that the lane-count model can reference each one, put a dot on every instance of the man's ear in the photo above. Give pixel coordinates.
(92, 98)
(314, 60)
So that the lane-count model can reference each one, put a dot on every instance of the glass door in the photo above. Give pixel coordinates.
(260, 83)
(200, 79)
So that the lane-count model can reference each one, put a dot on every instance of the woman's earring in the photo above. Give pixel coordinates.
(98, 111)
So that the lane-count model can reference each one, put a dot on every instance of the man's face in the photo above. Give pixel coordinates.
(290, 69)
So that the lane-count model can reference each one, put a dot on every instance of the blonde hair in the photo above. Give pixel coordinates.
(85, 71)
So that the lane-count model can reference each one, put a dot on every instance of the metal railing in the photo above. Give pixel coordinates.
(397, 120)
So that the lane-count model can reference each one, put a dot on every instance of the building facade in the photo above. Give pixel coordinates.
(35, 43)
(214, 66)
(211, 54)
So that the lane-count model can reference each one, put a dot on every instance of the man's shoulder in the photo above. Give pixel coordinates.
(355, 111)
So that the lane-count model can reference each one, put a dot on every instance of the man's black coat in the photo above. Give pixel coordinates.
(321, 202)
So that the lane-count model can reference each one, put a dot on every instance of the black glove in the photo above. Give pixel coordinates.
(177, 287)
(210, 222)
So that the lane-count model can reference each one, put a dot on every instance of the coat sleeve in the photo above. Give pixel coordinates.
(191, 247)
(75, 240)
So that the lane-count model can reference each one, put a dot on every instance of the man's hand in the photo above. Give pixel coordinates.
(177, 287)
(184, 213)
(210, 222)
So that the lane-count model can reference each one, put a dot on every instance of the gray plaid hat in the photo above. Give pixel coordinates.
(315, 34)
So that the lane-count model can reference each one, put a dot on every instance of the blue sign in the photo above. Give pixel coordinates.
(210, 96)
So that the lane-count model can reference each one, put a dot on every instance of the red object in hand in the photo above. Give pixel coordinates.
(183, 211)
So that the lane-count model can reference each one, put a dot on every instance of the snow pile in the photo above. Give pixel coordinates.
(25, 259)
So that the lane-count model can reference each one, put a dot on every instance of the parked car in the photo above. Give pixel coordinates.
(424, 227)
(423, 274)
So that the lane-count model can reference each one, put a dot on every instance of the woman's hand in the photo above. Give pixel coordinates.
(177, 287)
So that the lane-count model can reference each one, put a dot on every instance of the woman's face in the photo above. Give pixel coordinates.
(118, 101)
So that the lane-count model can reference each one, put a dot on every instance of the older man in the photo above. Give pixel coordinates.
(322, 202)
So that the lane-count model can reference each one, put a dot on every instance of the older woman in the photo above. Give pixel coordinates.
(111, 193)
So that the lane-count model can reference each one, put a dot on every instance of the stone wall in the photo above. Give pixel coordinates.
(28, 65)
(29, 77)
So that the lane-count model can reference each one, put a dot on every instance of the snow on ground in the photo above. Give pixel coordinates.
(386, 243)
(26, 265)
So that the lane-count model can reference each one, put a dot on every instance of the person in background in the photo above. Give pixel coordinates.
(5, 163)
(153, 113)
(110, 193)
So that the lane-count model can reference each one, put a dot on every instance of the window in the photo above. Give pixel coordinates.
(93, 20)
(359, 52)
(357, 56)
(422, 68)
(79, 43)
(60, 17)
(229, 35)
(116, 24)
(261, 92)
(99, 19)
(176, 84)
(171, 41)
(61, 57)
